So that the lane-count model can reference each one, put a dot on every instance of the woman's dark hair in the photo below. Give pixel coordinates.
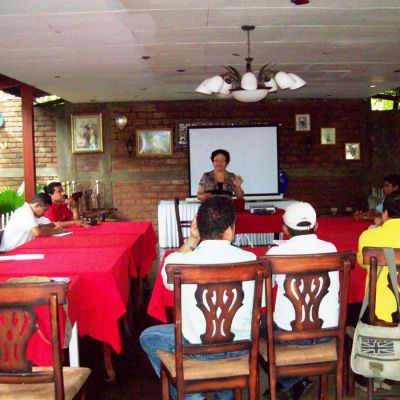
(223, 152)
(391, 204)
(49, 189)
(215, 216)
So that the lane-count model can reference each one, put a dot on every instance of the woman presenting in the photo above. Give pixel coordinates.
(220, 182)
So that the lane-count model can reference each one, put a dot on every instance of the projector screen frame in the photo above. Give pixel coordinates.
(256, 131)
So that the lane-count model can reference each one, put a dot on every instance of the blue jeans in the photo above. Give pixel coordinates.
(289, 381)
(163, 337)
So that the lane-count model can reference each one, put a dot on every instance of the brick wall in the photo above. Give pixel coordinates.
(11, 158)
(318, 174)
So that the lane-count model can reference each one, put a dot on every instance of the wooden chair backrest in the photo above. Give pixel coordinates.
(219, 296)
(180, 224)
(375, 257)
(306, 284)
(18, 322)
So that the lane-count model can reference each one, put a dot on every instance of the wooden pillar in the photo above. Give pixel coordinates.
(28, 141)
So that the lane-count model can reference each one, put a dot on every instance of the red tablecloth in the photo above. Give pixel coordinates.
(99, 261)
(247, 222)
(342, 231)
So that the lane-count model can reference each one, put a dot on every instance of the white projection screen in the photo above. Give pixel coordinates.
(253, 151)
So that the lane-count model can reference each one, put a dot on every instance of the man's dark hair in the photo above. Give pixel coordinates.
(298, 232)
(393, 179)
(214, 217)
(43, 199)
(223, 152)
(49, 189)
(392, 204)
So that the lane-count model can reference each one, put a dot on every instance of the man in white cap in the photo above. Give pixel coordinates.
(300, 224)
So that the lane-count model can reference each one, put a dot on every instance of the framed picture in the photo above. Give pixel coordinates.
(352, 151)
(303, 122)
(182, 134)
(153, 142)
(86, 133)
(328, 136)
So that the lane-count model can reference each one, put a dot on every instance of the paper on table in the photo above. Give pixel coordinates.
(62, 234)
(19, 257)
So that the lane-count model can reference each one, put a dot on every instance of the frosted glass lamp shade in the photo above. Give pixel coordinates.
(284, 80)
(202, 88)
(249, 81)
(214, 83)
(298, 82)
(249, 96)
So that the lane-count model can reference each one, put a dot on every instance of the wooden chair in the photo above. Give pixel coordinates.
(219, 296)
(180, 224)
(18, 379)
(91, 212)
(374, 257)
(306, 284)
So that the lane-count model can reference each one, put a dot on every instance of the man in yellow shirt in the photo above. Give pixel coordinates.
(387, 235)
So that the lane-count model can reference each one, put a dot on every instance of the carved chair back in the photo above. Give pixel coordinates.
(180, 224)
(18, 322)
(219, 295)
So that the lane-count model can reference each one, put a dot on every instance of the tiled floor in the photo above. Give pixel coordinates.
(135, 378)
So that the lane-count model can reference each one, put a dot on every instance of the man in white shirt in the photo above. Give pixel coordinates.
(215, 225)
(300, 224)
(28, 222)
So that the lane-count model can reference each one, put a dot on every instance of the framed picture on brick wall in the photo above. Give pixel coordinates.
(352, 151)
(153, 142)
(87, 133)
(328, 136)
(303, 122)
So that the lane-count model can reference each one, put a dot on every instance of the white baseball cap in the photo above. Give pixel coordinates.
(300, 216)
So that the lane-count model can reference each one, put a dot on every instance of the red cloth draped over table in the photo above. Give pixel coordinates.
(138, 236)
(99, 261)
(342, 231)
(246, 222)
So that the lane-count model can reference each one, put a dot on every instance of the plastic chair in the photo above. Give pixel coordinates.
(219, 295)
(306, 284)
(18, 322)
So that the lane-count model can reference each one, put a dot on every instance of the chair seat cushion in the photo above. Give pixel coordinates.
(206, 369)
(74, 379)
(286, 354)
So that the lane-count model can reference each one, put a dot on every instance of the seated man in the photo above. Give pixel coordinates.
(391, 183)
(215, 225)
(59, 211)
(300, 224)
(29, 222)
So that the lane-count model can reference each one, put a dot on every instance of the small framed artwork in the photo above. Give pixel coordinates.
(352, 151)
(303, 122)
(182, 134)
(328, 136)
(153, 142)
(86, 133)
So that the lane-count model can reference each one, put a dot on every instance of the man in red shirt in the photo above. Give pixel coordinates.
(62, 210)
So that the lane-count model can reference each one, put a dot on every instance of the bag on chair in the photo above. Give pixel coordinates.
(376, 349)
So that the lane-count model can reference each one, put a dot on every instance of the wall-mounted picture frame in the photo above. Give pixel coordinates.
(303, 122)
(328, 136)
(182, 135)
(87, 133)
(352, 151)
(153, 142)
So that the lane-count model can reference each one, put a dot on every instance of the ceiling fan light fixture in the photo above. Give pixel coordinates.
(249, 87)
